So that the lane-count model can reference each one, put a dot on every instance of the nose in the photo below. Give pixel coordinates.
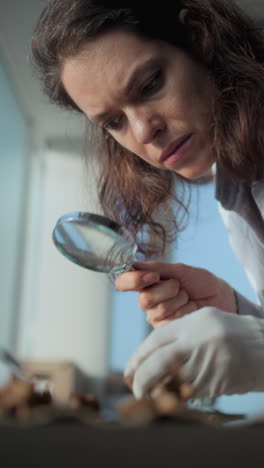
(146, 125)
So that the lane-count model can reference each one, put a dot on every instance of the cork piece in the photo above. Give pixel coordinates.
(15, 393)
(87, 400)
(136, 412)
(186, 391)
(168, 403)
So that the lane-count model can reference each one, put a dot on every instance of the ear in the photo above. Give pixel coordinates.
(183, 19)
(182, 15)
(197, 33)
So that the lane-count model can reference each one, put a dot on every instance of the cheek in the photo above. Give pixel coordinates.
(203, 97)
(179, 101)
(178, 107)
(190, 97)
(128, 142)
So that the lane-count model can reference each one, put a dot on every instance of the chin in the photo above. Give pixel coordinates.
(198, 172)
(196, 176)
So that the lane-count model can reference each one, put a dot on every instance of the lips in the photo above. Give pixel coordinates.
(174, 147)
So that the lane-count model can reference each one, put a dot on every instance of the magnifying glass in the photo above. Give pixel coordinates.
(94, 242)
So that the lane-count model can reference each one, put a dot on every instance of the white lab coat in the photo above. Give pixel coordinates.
(242, 210)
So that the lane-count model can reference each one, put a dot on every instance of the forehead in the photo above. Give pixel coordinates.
(104, 64)
(114, 46)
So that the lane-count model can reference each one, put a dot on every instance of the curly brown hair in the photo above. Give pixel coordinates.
(222, 38)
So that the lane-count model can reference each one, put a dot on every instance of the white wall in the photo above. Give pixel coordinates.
(65, 308)
(14, 156)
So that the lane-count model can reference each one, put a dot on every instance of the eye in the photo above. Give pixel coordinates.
(153, 84)
(113, 124)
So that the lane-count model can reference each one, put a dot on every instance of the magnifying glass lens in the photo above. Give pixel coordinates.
(94, 242)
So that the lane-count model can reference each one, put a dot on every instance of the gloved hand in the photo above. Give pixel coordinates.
(217, 352)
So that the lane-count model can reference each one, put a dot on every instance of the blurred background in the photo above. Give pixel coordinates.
(51, 310)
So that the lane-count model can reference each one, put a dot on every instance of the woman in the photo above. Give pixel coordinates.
(168, 94)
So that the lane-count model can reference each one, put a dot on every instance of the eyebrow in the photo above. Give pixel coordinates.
(139, 70)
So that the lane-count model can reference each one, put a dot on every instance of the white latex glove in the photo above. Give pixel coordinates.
(217, 352)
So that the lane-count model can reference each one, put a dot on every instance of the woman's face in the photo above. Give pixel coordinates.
(150, 96)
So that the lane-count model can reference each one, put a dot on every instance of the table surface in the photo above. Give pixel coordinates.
(157, 445)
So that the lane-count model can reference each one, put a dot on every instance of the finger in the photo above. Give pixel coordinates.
(166, 270)
(168, 308)
(135, 280)
(158, 293)
(157, 319)
(154, 368)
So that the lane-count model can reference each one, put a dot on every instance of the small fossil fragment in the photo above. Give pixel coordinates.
(21, 402)
(166, 398)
